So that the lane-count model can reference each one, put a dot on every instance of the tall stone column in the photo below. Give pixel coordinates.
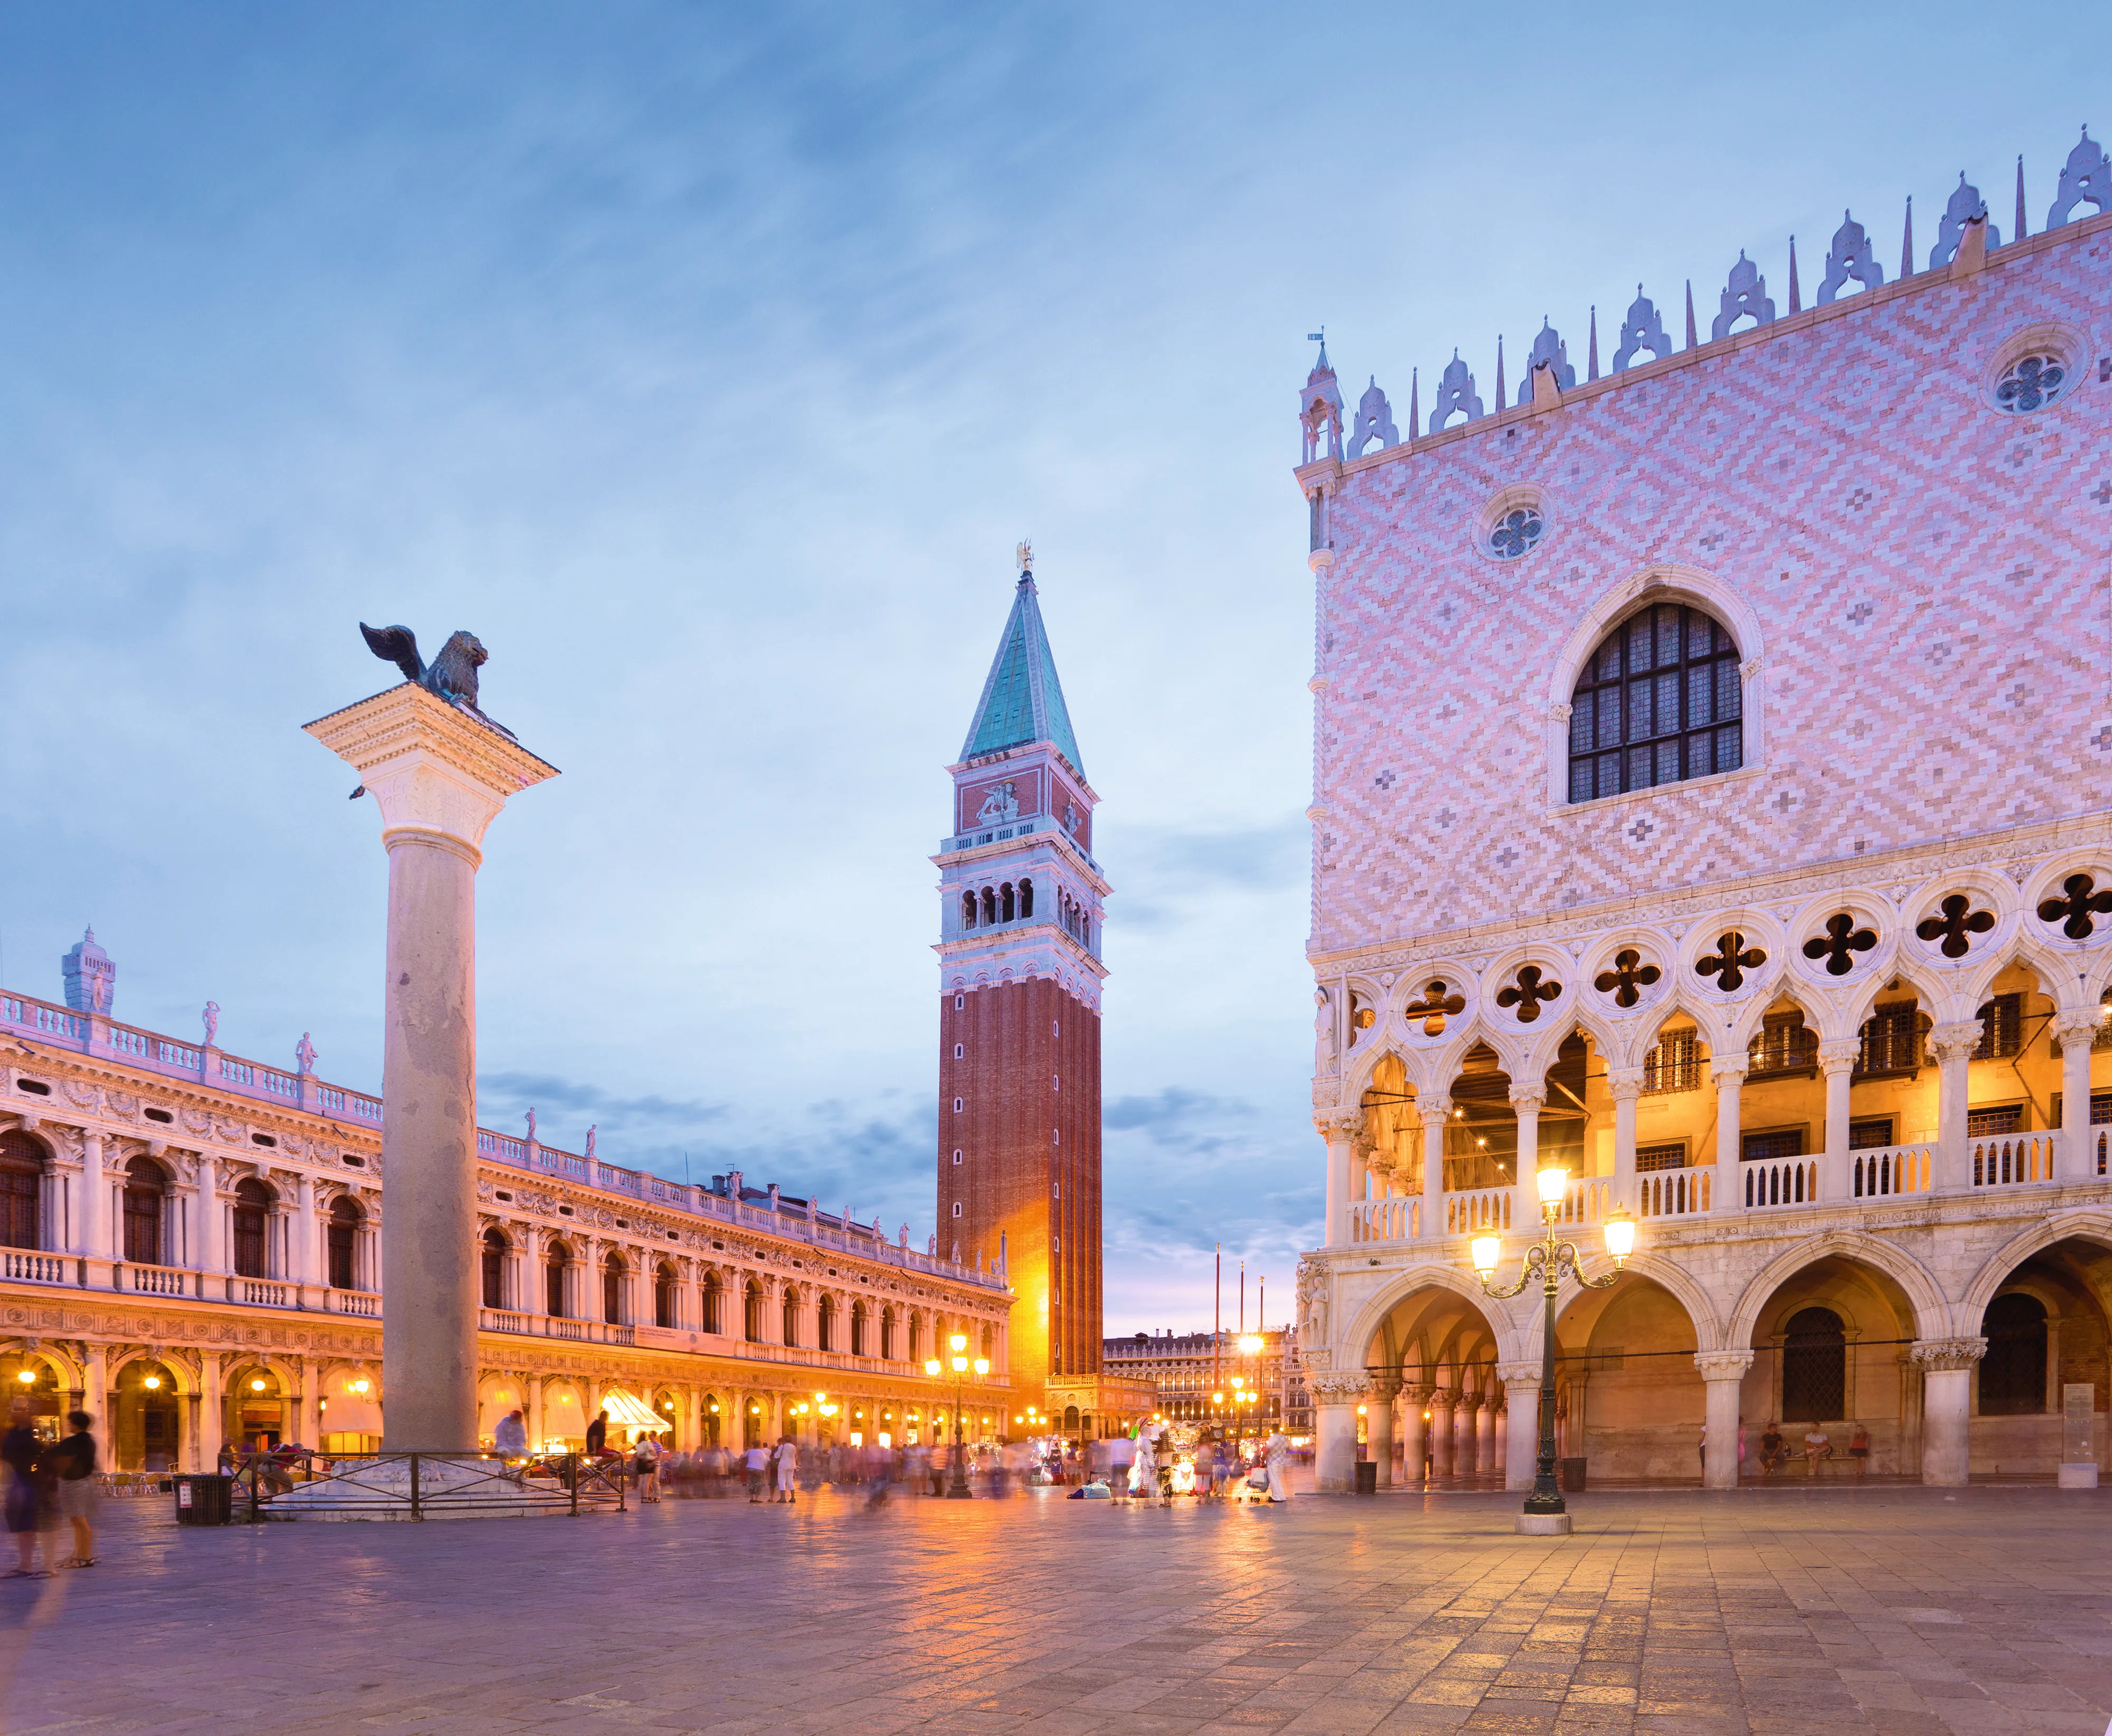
(1837, 1060)
(211, 1413)
(211, 1259)
(534, 1394)
(1441, 1400)
(1953, 1045)
(1464, 1460)
(2076, 1033)
(1729, 1186)
(94, 1217)
(1412, 1433)
(95, 1400)
(301, 1237)
(1336, 1127)
(1946, 1366)
(1527, 1102)
(1723, 1374)
(1334, 1400)
(1436, 1112)
(1484, 1433)
(1626, 1084)
(1378, 1426)
(1521, 1426)
(439, 776)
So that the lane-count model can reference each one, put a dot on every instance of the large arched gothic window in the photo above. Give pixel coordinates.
(1815, 1367)
(1658, 702)
(21, 1183)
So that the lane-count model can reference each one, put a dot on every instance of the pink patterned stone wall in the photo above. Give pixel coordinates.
(1919, 583)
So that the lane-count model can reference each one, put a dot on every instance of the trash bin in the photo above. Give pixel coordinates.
(1572, 1475)
(205, 1501)
(1368, 1477)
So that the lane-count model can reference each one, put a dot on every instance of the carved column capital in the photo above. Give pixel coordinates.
(2077, 1028)
(1531, 1096)
(1722, 1365)
(1518, 1373)
(1418, 1396)
(1334, 1124)
(1337, 1389)
(1839, 1055)
(1625, 1083)
(1384, 1386)
(1955, 1043)
(1938, 1355)
(1434, 1108)
(1731, 1070)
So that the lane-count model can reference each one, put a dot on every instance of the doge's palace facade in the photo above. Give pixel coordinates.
(1712, 768)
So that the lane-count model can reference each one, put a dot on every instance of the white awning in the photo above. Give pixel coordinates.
(629, 1413)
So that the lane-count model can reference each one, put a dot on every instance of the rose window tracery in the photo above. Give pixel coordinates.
(2032, 382)
(1516, 532)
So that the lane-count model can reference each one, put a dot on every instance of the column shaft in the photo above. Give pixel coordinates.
(1627, 1086)
(1378, 1430)
(1838, 1063)
(1728, 1197)
(1520, 1426)
(1436, 1112)
(2078, 1138)
(1953, 1046)
(429, 1145)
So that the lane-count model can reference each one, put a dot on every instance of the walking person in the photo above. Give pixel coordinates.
(757, 1464)
(19, 1450)
(73, 1460)
(646, 1467)
(1278, 1449)
(788, 1471)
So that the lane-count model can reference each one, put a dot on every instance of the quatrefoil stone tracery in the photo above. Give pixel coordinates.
(1730, 960)
(2079, 902)
(1955, 926)
(1628, 977)
(1840, 943)
(1526, 993)
(1437, 1003)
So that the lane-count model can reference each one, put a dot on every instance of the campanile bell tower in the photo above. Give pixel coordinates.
(1019, 1020)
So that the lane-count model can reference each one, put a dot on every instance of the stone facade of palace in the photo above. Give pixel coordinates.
(1712, 757)
(189, 1249)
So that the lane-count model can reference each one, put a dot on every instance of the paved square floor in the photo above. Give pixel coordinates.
(1799, 1612)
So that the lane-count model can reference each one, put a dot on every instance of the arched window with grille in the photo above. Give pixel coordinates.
(612, 1290)
(252, 1220)
(2013, 1373)
(663, 1295)
(493, 1273)
(341, 1237)
(752, 1323)
(1815, 1367)
(1659, 701)
(859, 1347)
(887, 1335)
(714, 1303)
(825, 1323)
(789, 1316)
(22, 1161)
(146, 1193)
(553, 1279)
(915, 1339)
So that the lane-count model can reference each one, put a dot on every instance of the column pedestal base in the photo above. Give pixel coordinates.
(1543, 1524)
(2078, 1476)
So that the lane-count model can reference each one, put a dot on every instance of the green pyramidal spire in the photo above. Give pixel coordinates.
(1022, 701)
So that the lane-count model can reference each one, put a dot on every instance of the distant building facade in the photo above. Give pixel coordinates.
(1713, 793)
(1019, 1027)
(1196, 1377)
(189, 1251)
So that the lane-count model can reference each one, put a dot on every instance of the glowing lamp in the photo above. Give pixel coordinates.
(1486, 1249)
(361, 1385)
(1620, 1235)
(668, 1404)
(1250, 1345)
(256, 1385)
(931, 1366)
(1554, 1183)
(982, 1368)
(151, 1383)
(960, 1364)
(715, 1407)
(958, 1341)
(1217, 1398)
(26, 1377)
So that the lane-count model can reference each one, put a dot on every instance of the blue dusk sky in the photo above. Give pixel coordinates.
(707, 361)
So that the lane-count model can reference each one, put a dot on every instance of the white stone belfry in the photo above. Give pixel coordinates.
(439, 776)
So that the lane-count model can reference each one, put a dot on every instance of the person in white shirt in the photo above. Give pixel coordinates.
(788, 1468)
(1279, 1466)
(510, 1439)
(755, 1461)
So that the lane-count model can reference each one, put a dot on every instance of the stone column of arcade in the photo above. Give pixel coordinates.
(1413, 1433)
(1521, 1431)
(439, 772)
(1723, 1375)
(1378, 1426)
(2076, 1034)
(1334, 1400)
(1946, 1366)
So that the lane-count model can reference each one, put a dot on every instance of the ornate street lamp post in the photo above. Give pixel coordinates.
(957, 1489)
(1545, 1513)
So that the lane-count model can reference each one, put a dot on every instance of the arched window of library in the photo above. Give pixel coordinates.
(146, 1193)
(553, 1280)
(22, 1160)
(612, 1273)
(753, 1323)
(342, 1235)
(1658, 702)
(663, 1295)
(493, 1273)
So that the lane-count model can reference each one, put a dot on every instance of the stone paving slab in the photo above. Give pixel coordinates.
(1742, 1613)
